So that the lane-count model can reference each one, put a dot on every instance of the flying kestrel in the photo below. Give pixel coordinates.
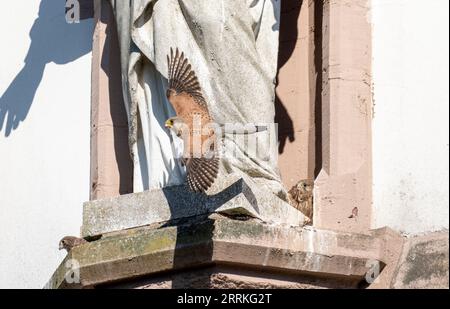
(185, 95)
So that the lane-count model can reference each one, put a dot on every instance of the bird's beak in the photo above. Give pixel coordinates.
(168, 124)
(61, 246)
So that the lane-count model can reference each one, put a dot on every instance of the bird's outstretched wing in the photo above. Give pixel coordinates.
(185, 95)
(201, 173)
(184, 87)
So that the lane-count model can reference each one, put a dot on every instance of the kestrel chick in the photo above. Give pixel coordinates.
(301, 197)
(70, 242)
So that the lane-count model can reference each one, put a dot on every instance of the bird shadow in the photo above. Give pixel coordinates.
(53, 40)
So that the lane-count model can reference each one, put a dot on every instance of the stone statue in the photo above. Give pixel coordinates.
(233, 45)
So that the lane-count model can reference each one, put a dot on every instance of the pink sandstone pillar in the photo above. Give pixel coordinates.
(343, 187)
(111, 166)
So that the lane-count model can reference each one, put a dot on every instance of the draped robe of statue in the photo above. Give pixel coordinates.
(233, 48)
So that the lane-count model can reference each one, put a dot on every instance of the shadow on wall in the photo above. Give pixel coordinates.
(52, 40)
(110, 64)
(290, 12)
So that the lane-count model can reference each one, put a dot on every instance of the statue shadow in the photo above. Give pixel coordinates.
(53, 40)
(194, 246)
(290, 12)
(318, 67)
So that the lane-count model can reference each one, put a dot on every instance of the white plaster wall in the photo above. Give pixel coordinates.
(44, 136)
(411, 125)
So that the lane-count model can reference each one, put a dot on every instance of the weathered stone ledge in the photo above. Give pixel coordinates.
(219, 241)
(173, 203)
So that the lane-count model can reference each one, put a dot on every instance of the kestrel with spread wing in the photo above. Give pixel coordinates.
(192, 123)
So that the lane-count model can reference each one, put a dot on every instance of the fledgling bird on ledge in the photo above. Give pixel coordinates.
(69, 242)
(301, 197)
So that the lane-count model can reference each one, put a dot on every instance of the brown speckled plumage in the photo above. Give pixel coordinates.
(69, 242)
(186, 97)
(301, 197)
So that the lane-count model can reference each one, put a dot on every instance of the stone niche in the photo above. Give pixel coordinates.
(243, 238)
